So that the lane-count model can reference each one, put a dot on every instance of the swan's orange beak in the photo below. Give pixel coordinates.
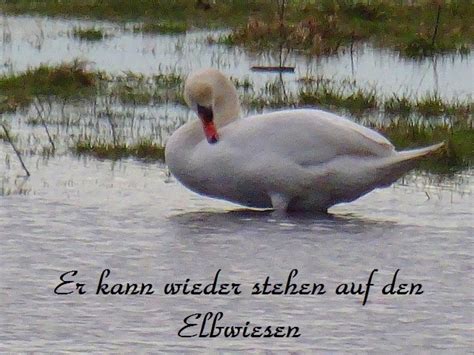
(211, 132)
(207, 118)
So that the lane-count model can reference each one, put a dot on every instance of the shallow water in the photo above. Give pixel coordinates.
(131, 217)
(36, 40)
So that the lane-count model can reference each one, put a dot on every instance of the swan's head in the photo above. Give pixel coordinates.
(213, 97)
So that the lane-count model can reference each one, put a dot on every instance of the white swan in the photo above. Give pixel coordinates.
(287, 160)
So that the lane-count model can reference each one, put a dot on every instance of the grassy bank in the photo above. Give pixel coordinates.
(413, 28)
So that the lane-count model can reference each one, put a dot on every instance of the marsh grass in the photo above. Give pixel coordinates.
(137, 89)
(347, 95)
(457, 154)
(168, 81)
(433, 105)
(398, 104)
(320, 27)
(318, 38)
(89, 34)
(161, 27)
(413, 121)
(245, 83)
(429, 105)
(329, 27)
(421, 46)
(71, 81)
(66, 81)
(144, 149)
(220, 13)
(357, 101)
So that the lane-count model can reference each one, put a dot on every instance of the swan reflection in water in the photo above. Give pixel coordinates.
(267, 222)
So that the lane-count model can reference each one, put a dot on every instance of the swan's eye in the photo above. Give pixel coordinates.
(205, 113)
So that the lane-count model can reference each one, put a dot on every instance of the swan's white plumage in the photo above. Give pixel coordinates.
(293, 159)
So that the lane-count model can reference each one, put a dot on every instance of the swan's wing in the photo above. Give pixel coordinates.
(344, 123)
(287, 152)
(304, 137)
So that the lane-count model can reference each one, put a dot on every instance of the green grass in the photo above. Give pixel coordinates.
(457, 155)
(145, 149)
(347, 95)
(163, 27)
(414, 121)
(137, 89)
(222, 13)
(66, 81)
(357, 101)
(396, 104)
(245, 84)
(169, 81)
(316, 27)
(71, 81)
(334, 26)
(88, 34)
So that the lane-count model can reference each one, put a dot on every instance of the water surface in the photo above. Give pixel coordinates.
(133, 218)
(35, 40)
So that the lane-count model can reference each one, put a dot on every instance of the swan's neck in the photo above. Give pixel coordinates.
(226, 109)
(226, 105)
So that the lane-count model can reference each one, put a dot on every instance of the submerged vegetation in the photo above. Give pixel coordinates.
(88, 34)
(415, 28)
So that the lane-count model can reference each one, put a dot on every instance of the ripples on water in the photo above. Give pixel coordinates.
(131, 217)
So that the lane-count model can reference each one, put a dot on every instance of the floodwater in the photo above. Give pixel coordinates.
(30, 41)
(134, 219)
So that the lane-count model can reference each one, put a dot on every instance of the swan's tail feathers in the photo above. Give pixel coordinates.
(396, 166)
(352, 178)
(419, 153)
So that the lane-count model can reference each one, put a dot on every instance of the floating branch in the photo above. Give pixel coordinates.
(279, 69)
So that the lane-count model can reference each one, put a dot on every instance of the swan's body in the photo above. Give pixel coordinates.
(294, 159)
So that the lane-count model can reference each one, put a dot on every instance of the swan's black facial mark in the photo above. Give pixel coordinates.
(207, 118)
(205, 114)
(212, 139)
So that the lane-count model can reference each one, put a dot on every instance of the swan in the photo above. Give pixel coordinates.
(291, 160)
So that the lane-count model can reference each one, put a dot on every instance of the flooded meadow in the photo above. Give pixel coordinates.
(99, 195)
